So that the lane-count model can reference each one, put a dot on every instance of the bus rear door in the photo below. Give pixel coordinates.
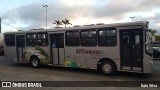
(20, 45)
(57, 48)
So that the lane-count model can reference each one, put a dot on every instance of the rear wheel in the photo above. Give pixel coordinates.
(107, 68)
(35, 62)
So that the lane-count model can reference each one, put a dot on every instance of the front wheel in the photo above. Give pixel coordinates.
(35, 62)
(108, 68)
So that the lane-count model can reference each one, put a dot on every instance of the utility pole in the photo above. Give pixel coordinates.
(45, 6)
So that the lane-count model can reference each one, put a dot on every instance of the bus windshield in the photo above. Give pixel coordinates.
(148, 44)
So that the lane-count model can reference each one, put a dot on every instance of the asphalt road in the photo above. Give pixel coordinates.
(11, 71)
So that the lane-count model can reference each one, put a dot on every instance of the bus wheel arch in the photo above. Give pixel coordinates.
(107, 66)
(34, 61)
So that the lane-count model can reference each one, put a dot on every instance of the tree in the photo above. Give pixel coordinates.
(153, 31)
(155, 34)
(66, 22)
(157, 37)
(57, 22)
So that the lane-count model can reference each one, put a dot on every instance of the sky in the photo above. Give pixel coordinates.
(29, 14)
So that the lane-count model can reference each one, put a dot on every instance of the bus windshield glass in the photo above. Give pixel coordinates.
(148, 44)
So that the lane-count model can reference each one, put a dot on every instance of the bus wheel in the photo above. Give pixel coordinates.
(35, 62)
(108, 68)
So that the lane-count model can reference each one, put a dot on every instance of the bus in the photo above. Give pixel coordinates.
(108, 48)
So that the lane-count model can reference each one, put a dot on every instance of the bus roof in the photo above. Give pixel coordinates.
(92, 26)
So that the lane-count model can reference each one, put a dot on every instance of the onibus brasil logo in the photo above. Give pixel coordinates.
(21, 84)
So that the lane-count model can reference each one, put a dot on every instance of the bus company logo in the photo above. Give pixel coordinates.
(21, 84)
(83, 51)
(6, 84)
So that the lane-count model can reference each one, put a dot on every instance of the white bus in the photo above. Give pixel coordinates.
(107, 48)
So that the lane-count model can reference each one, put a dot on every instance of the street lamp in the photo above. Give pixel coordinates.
(45, 6)
(132, 18)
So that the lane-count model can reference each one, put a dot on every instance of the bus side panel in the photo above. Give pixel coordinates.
(74, 57)
(98, 53)
(147, 64)
(41, 52)
(147, 60)
(45, 52)
(88, 57)
(10, 53)
(93, 55)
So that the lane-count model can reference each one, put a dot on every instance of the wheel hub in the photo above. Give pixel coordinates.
(107, 68)
(35, 62)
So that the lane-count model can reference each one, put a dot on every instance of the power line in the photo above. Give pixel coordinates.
(9, 25)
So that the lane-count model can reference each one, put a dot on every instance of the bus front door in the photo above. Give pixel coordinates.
(131, 51)
(20, 45)
(57, 48)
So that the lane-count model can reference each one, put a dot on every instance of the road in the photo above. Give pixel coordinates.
(11, 71)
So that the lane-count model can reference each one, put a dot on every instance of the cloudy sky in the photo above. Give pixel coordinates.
(29, 14)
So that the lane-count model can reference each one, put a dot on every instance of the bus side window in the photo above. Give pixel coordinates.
(89, 38)
(107, 37)
(72, 38)
(10, 39)
(42, 39)
(31, 39)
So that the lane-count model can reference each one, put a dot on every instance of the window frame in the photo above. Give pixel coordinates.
(42, 39)
(66, 43)
(28, 43)
(8, 41)
(107, 29)
(81, 38)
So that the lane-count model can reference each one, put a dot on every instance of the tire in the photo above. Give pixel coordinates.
(35, 62)
(107, 68)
